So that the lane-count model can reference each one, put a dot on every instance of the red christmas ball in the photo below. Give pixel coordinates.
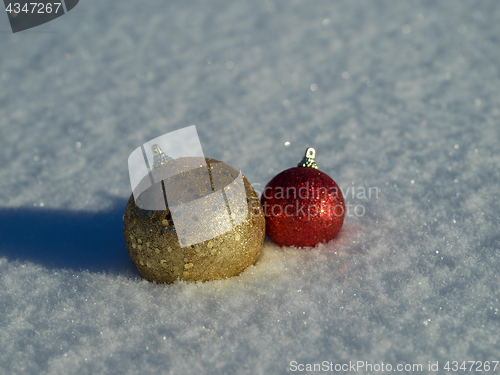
(303, 206)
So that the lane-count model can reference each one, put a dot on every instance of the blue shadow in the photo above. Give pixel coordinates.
(75, 240)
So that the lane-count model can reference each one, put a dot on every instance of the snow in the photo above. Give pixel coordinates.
(400, 97)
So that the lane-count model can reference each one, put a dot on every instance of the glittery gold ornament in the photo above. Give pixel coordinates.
(164, 251)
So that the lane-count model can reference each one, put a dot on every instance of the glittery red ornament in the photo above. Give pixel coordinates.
(303, 206)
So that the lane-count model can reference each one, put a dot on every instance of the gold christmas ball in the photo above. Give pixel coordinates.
(193, 219)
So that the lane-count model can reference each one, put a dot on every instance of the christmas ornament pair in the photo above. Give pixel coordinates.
(196, 218)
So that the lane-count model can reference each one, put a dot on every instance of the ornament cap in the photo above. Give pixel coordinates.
(159, 157)
(309, 160)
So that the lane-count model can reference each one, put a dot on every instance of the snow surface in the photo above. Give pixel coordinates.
(400, 96)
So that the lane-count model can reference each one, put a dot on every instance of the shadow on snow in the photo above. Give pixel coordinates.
(76, 240)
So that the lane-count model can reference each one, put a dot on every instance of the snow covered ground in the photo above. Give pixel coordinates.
(398, 96)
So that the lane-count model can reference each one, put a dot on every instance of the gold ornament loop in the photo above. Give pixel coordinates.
(308, 161)
(159, 157)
